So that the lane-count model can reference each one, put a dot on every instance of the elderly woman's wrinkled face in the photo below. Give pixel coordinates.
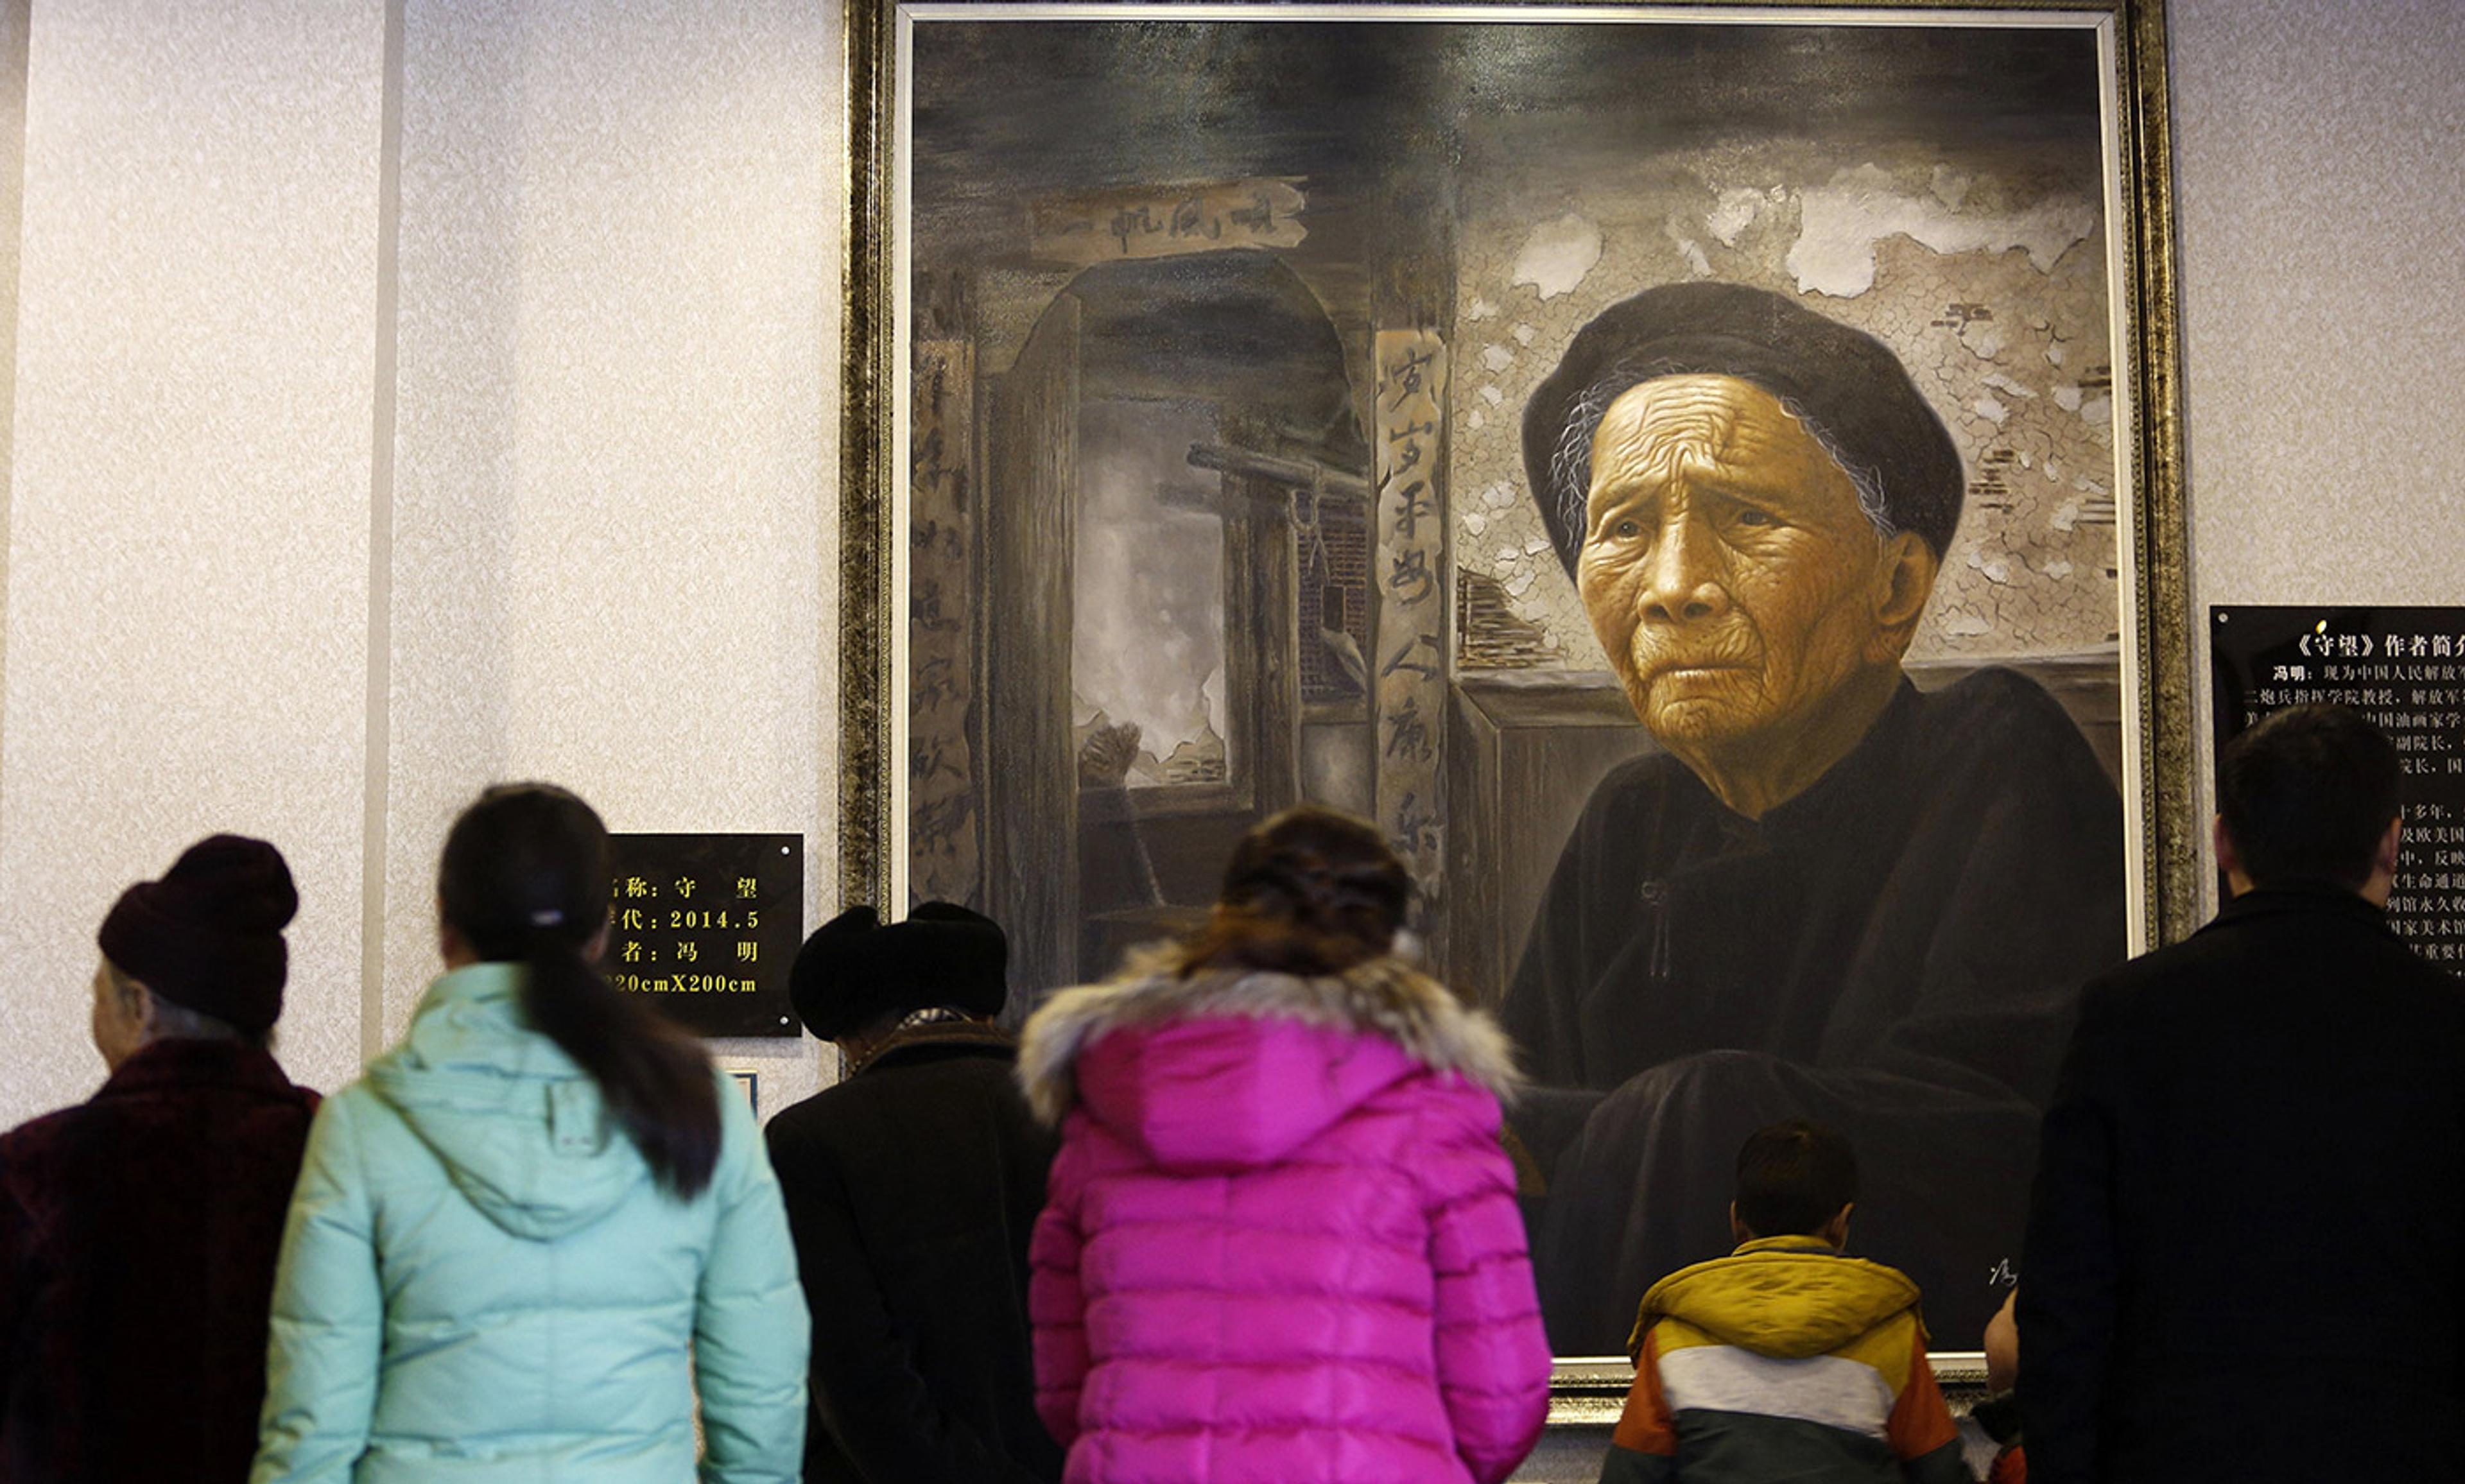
(1730, 574)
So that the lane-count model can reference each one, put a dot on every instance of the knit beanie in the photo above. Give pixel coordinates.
(208, 936)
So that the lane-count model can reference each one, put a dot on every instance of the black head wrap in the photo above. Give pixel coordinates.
(856, 970)
(209, 935)
(1846, 386)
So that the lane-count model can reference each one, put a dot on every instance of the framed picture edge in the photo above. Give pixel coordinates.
(2161, 791)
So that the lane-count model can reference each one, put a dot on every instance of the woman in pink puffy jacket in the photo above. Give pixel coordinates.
(1282, 1242)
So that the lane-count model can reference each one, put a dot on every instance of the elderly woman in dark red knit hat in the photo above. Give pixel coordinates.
(138, 1230)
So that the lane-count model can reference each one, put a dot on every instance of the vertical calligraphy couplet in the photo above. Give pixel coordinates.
(943, 819)
(1408, 569)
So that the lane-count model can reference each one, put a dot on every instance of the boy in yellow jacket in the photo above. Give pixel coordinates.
(1784, 1358)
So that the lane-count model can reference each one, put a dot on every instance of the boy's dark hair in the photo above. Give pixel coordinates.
(1794, 1178)
(2306, 796)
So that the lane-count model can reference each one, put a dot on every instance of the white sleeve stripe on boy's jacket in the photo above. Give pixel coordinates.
(1830, 1389)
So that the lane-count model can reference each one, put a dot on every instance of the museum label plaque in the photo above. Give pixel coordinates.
(709, 925)
(2404, 668)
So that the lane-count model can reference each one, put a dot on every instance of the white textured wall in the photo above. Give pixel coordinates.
(610, 545)
(187, 528)
(322, 513)
(2321, 196)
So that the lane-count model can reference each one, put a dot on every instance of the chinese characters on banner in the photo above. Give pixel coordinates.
(2404, 668)
(709, 925)
(1407, 672)
(943, 851)
(1117, 225)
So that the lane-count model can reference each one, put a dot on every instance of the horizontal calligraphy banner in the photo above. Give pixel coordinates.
(1162, 221)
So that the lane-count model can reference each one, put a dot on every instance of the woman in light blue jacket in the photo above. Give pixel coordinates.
(526, 1237)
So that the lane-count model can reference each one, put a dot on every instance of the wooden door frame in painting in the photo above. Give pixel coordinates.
(2146, 358)
(1031, 880)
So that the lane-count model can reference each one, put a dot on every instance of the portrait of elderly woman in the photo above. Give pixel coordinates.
(1826, 895)
(1674, 470)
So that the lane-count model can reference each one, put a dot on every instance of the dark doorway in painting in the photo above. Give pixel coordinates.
(1176, 597)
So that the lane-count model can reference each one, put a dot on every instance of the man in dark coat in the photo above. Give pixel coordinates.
(1828, 896)
(138, 1229)
(2243, 1251)
(912, 1188)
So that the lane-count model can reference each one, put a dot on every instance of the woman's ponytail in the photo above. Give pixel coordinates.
(524, 879)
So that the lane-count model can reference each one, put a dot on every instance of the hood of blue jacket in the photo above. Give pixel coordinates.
(523, 1131)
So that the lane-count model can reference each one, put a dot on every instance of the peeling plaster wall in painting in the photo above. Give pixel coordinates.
(1984, 271)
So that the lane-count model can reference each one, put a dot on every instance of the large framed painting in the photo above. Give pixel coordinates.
(1705, 479)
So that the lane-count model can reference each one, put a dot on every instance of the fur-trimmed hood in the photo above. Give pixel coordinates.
(1305, 1049)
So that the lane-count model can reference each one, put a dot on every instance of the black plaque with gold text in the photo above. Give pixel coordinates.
(708, 925)
(2404, 668)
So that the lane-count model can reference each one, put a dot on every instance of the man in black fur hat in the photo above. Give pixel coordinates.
(912, 1188)
(1826, 895)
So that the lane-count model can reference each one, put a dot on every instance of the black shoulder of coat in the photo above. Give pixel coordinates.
(61, 1137)
(911, 1072)
(1999, 716)
(2246, 951)
(1653, 781)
